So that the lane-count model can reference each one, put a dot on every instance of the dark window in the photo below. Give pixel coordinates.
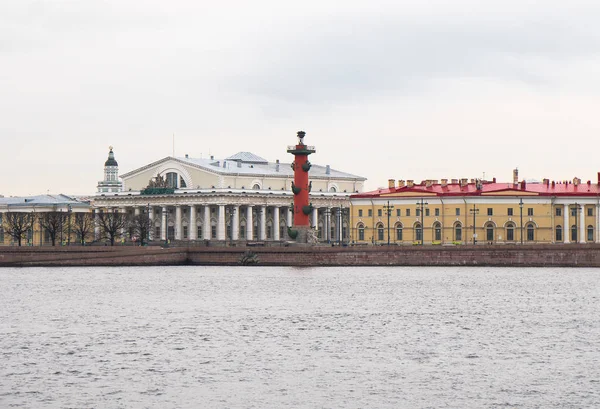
(458, 232)
(182, 182)
(510, 211)
(590, 211)
(438, 232)
(370, 212)
(437, 211)
(590, 233)
(379, 212)
(361, 232)
(199, 232)
(426, 212)
(574, 233)
(408, 212)
(573, 211)
(399, 233)
(172, 179)
(510, 232)
(457, 211)
(398, 212)
(213, 232)
(558, 211)
(185, 232)
(490, 211)
(530, 232)
(418, 212)
(359, 212)
(530, 211)
(380, 232)
(242, 231)
(559, 232)
(157, 233)
(418, 232)
(489, 232)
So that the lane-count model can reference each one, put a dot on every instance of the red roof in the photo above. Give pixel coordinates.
(489, 188)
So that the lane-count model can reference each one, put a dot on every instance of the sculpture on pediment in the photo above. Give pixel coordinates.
(158, 181)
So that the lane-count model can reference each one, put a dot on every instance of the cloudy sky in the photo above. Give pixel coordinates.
(403, 89)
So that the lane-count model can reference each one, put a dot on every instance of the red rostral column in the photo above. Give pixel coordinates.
(301, 186)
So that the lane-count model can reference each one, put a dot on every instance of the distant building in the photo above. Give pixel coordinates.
(111, 182)
(242, 197)
(460, 211)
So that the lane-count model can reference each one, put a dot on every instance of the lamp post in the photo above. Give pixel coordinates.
(61, 227)
(149, 223)
(422, 204)
(388, 210)
(521, 213)
(69, 210)
(231, 213)
(474, 212)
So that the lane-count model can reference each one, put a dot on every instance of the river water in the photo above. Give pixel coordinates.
(219, 337)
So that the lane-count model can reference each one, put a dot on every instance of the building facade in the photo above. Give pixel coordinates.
(478, 212)
(240, 198)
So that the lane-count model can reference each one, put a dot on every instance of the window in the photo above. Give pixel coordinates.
(380, 232)
(437, 211)
(399, 232)
(157, 233)
(426, 212)
(490, 211)
(185, 232)
(370, 212)
(408, 212)
(458, 232)
(457, 211)
(242, 231)
(437, 232)
(256, 186)
(489, 232)
(590, 211)
(360, 213)
(398, 212)
(530, 211)
(379, 211)
(510, 232)
(510, 211)
(559, 236)
(213, 232)
(172, 180)
(418, 212)
(573, 211)
(590, 232)
(361, 232)
(530, 232)
(558, 211)
(199, 232)
(182, 182)
(418, 232)
(574, 233)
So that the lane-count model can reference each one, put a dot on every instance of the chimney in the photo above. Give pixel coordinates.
(553, 184)
(494, 180)
(391, 183)
(328, 170)
(410, 183)
(599, 178)
(277, 165)
(428, 183)
(576, 181)
(523, 185)
(463, 182)
(212, 157)
(546, 182)
(187, 156)
(516, 176)
(400, 183)
(444, 182)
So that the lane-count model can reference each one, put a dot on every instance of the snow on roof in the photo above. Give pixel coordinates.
(41, 200)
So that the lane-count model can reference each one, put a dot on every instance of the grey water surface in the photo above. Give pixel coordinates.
(222, 337)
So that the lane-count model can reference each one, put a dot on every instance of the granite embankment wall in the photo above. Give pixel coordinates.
(507, 255)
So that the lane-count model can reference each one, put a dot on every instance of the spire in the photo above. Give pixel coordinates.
(111, 158)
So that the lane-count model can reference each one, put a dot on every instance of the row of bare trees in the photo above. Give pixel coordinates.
(112, 225)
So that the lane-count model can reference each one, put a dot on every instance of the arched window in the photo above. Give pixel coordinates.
(590, 233)
(399, 232)
(489, 232)
(380, 232)
(458, 232)
(510, 232)
(530, 232)
(182, 182)
(172, 180)
(418, 232)
(437, 231)
(256, 186)
(559, 233)
(332, 189)
(361, 232)
(574, 233)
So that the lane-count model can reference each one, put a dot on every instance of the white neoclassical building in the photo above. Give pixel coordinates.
(240, 198)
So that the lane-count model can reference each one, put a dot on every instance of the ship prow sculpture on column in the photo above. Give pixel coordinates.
(301, 231)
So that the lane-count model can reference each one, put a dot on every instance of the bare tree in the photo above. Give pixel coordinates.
(53, 223)
(141, 227)
(83, 226)
(112, 224)
(17, 224)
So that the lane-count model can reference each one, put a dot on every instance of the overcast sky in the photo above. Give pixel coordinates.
(384, 89)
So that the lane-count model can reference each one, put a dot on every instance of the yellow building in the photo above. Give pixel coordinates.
(477, 212)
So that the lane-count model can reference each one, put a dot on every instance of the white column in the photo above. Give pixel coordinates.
(206, 223)
(235, 229)
(290, 217)
(163, 226)
(123, 210)
(151, 227)
(566, 227)
(192, 228)
(263, 223)
(583, 227)
(276, 223)
(249, 222)
(178, 222)
(328, 224)
(136, 211)
(315, 218)
(221, 223)
(97, 225)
